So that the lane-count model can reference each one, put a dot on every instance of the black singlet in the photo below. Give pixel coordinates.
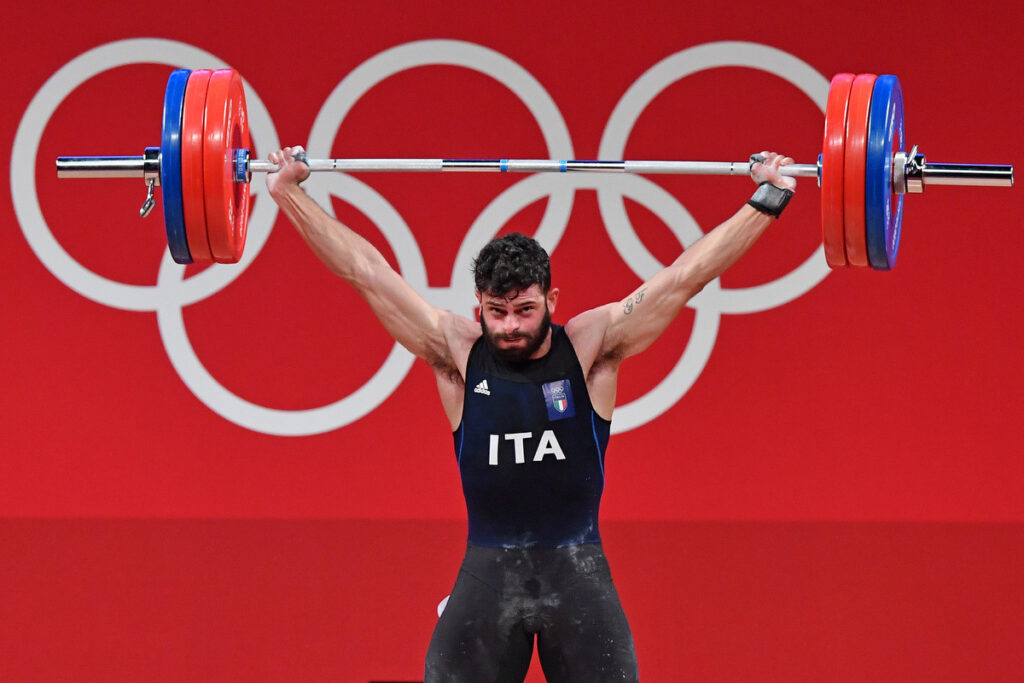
(531, 455)
(530, 449)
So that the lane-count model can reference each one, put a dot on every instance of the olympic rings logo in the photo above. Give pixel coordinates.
(172, 293)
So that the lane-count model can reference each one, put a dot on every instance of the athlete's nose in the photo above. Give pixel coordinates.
(511, 324)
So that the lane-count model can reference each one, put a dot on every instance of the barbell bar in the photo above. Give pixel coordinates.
(864, 169)
(932, 173)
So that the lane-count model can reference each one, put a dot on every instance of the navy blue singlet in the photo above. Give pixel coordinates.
(530, 449)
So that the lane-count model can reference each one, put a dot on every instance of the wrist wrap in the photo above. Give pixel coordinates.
(770, 199)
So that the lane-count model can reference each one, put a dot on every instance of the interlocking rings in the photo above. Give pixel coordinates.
(171, 293)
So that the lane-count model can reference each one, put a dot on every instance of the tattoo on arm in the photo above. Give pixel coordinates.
(628, 304)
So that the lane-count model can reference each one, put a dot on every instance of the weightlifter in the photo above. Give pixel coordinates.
(530, 406)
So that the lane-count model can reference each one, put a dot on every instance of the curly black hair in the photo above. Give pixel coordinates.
(510, 264)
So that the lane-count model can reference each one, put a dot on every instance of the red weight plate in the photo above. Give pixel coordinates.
(833, 153)
(227, 202)
(193, 196)
(855, 165)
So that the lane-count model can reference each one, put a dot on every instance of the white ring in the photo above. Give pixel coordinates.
(26, 199)
(628, 110)
(491, 63)
(666, 207)
(324, 418)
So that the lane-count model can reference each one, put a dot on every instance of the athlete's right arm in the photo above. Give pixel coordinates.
(439, 337)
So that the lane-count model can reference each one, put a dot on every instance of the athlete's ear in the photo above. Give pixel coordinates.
(552, 299)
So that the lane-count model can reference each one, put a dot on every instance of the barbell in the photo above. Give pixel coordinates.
(203, 167)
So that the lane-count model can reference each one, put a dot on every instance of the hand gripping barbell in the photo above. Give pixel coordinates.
(204, 167)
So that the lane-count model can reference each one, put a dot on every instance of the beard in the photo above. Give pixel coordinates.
(520, 354)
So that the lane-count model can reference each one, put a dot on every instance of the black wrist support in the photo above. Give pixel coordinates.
(770, 199)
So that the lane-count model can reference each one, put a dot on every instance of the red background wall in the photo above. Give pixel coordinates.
(836, 497)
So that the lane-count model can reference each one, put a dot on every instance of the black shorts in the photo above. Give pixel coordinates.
(504, 597)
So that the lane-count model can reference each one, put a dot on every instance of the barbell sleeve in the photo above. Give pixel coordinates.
(100, 167)
(985, 175)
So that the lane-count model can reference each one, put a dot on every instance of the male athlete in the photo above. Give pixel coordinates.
(530, 406)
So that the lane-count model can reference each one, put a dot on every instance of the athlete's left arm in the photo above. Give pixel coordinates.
(616, 331)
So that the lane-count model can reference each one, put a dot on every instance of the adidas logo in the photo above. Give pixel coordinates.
(482, 389)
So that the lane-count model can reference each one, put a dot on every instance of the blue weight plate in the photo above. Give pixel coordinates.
(883, 212)
(170, 167)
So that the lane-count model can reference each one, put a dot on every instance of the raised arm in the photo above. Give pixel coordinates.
(437, 336)
(606, 335)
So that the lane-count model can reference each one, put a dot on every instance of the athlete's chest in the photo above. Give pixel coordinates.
(514, 423)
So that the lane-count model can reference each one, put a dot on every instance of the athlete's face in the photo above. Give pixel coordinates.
(517, 327)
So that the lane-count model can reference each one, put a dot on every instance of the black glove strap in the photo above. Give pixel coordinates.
(770, 199)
